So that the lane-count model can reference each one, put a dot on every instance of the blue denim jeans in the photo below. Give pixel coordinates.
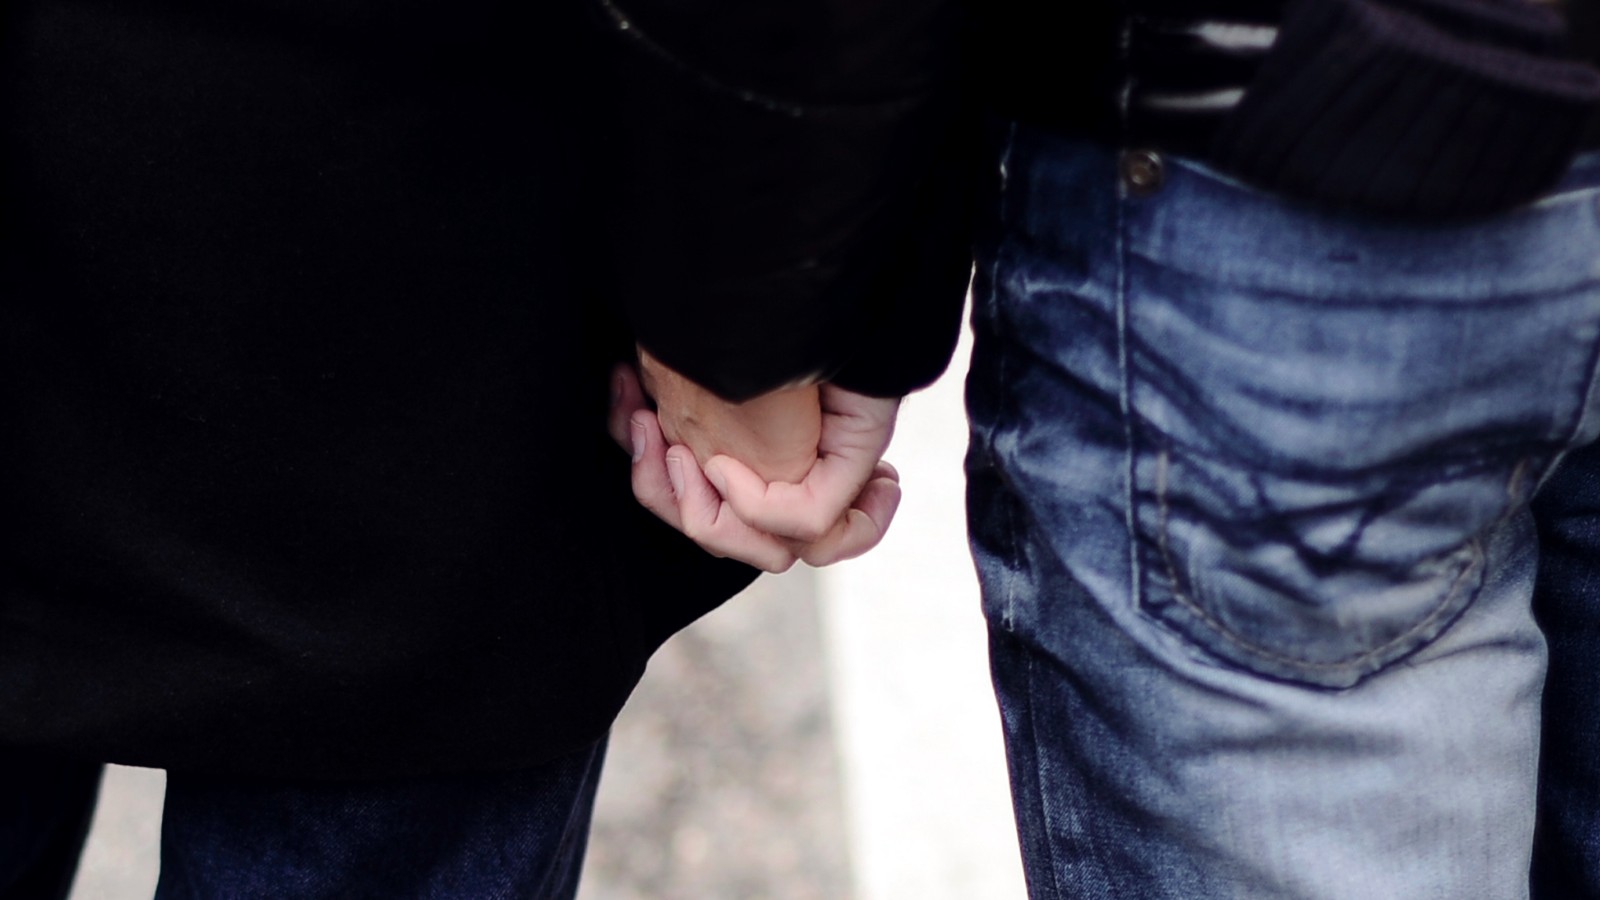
(1251, 495)
(466, 837)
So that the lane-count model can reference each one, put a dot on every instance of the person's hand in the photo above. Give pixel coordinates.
(775, 434)
(822, 517)
(668, 480)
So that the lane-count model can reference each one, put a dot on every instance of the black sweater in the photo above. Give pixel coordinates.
(1424, 109)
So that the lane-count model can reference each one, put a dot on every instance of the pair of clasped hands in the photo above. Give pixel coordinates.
(795, 474)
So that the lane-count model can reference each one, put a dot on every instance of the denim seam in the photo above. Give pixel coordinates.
(1014, 537)
(1583, 407)
(1565, 443)
(1125, 392)
(1008, 615)
(1040, 780)
(1445, 604)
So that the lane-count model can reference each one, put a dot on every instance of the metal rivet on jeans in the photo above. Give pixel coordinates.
(1142, 172)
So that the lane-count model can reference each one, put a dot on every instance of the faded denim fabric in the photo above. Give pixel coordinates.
(1249, 492)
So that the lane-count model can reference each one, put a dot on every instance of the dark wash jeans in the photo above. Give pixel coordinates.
(477, 837)
(1259, 497)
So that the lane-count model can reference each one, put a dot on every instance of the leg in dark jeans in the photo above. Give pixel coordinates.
(1566, 859)
(505, 835)
(45, 808)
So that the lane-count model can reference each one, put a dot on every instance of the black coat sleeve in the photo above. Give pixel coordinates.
(786, 188)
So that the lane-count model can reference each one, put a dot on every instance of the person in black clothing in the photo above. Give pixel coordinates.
(309, 312)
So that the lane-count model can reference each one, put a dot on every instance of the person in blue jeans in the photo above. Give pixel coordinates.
(1283, 488)
(1250, 497)
(1282, 484)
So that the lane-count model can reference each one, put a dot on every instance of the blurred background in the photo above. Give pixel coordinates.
(827, 734)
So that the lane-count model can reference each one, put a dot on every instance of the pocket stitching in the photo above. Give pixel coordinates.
(1474, 562)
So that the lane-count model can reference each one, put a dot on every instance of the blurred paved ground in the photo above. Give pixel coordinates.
(925, 778)
(723, 782)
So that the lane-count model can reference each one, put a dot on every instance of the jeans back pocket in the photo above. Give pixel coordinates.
(1329, 419)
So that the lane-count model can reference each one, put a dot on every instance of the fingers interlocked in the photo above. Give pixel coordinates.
(841, 509)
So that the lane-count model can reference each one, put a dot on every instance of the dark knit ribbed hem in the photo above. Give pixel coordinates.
(1516, 24)
(1373, 108)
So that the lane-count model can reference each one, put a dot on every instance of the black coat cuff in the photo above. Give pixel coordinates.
(754, 240)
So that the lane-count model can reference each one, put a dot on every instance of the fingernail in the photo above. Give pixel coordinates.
(636, 438)
(675, 474)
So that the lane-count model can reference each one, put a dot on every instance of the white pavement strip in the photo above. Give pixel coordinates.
(120, 860)
(919, 736)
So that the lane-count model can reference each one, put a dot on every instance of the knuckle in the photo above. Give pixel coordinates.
(695, 531)
(645, 491)
(828, 551)
(801, 533)
(813, 527)
(645, 496)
